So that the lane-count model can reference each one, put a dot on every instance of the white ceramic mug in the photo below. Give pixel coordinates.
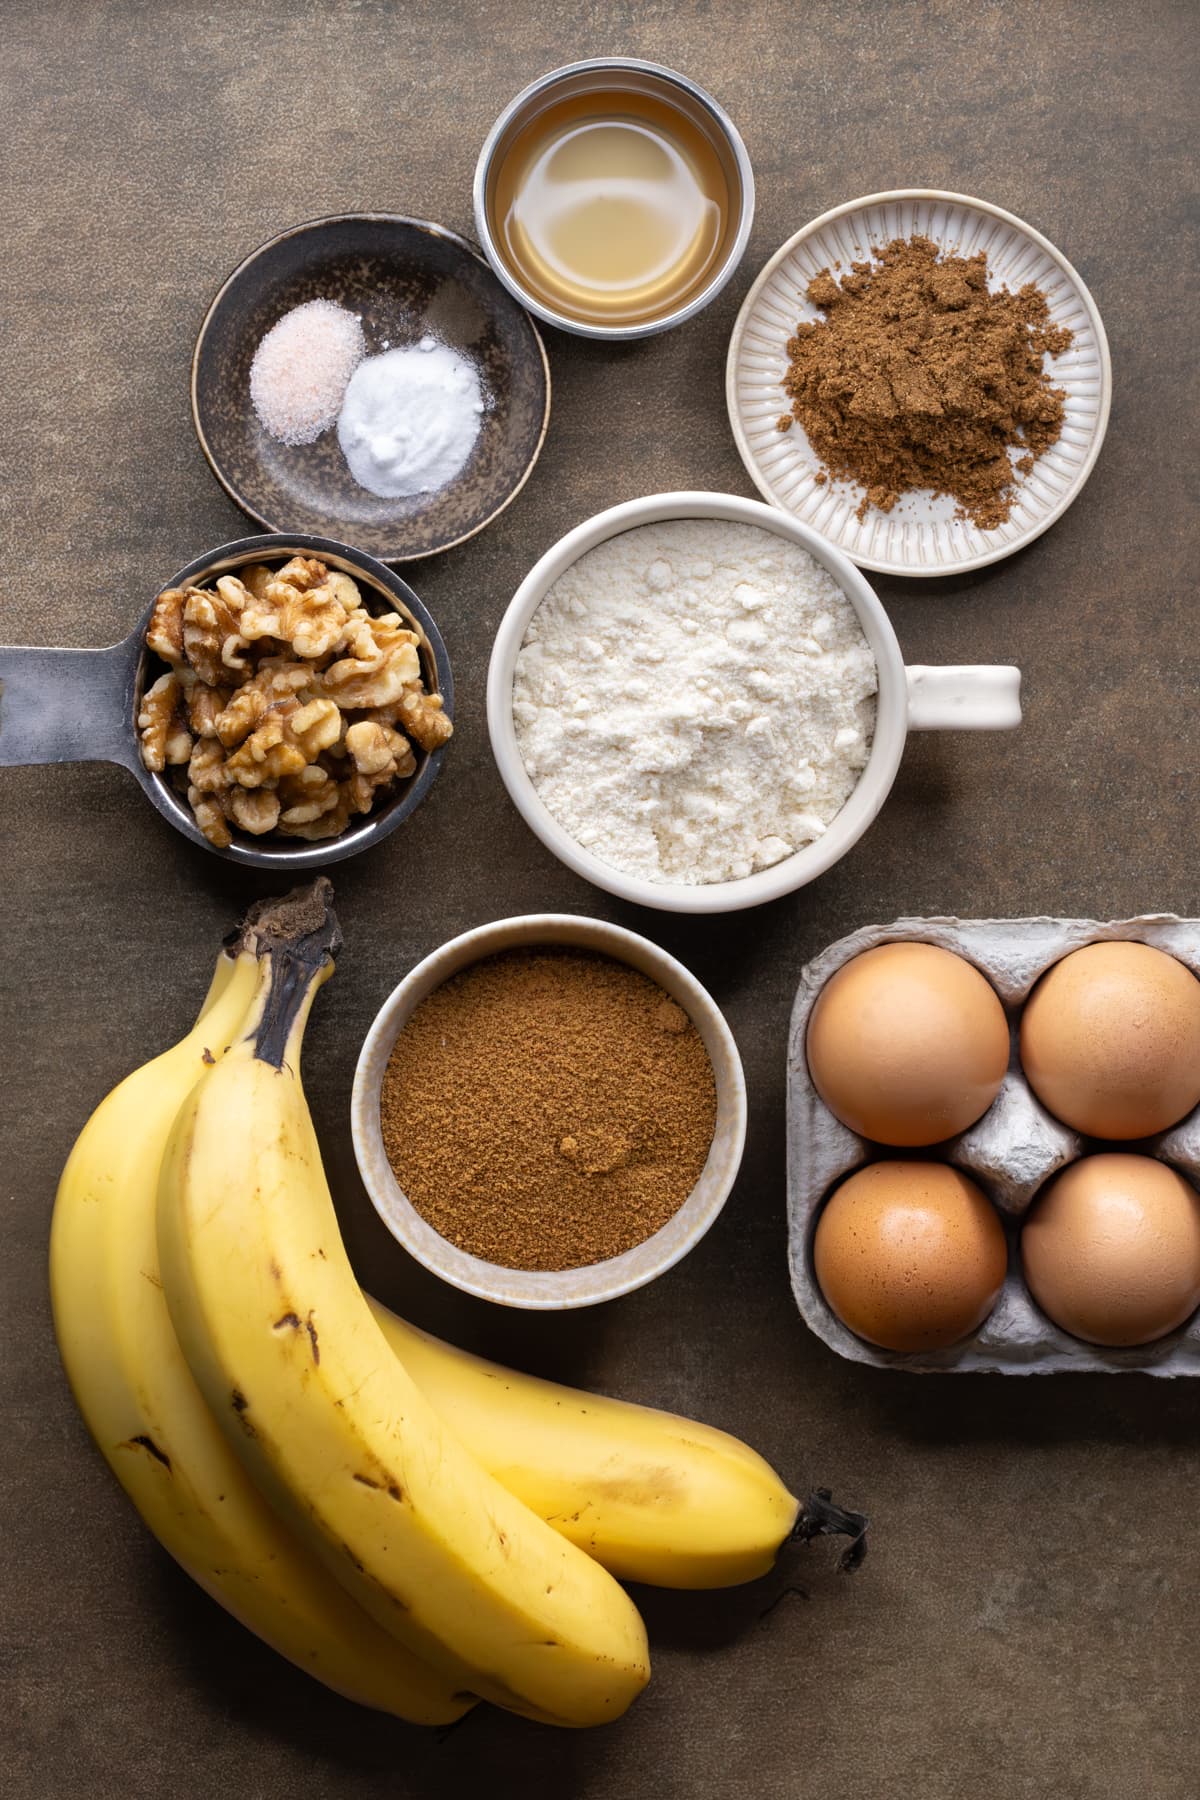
(917, 698)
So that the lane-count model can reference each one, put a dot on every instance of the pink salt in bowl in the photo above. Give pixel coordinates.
(406, 280)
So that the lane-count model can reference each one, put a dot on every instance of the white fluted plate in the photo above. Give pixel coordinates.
(920, 536)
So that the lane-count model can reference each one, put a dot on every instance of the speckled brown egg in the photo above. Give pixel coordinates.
(910, 1255)
(907, 1044)
(1111, 1249)
(1110, 1040)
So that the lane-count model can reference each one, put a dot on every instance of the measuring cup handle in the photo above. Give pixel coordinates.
(964, 697)
(68, 705)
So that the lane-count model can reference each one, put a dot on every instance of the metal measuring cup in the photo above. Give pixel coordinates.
(61, 705)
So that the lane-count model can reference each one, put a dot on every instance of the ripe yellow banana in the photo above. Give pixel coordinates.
(142, 1406)
(653, 1497)
(299, 1374)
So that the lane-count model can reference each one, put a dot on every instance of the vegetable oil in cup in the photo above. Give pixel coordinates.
(612, 206)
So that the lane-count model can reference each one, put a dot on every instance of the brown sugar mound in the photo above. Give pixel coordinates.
(918, 377)
(548, 1108)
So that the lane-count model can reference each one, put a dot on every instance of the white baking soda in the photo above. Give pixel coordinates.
(410, 419)
(694, 700)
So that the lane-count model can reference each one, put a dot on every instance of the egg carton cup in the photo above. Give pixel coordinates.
(1011, 1152)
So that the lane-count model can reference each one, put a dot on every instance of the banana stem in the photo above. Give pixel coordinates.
(819, 1517)
(296, 939)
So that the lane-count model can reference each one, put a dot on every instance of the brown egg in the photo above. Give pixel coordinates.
(1111, 1249)
(910, 1255)
(1110, 1040)
(907, 1044)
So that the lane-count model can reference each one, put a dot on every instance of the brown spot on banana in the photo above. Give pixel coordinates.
(143, 1442)
(291, 1321)
(239, 1403)
(392, 1489)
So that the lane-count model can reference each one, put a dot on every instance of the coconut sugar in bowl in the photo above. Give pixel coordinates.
(679, 1046)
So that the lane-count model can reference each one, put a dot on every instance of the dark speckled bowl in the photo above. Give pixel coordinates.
(405, 278)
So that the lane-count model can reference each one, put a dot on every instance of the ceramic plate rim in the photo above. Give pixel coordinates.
(891, 196)
(373, 218)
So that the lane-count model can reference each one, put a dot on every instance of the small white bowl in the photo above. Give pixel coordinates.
(559, 1289)
(917, 698)
(921, 536)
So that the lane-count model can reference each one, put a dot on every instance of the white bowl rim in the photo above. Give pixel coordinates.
(592, 1283)
(871, 790)
(889, 196)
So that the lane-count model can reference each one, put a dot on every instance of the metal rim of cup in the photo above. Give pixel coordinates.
(728, 131)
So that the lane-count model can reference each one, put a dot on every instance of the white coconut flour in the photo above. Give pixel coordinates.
(694, 700)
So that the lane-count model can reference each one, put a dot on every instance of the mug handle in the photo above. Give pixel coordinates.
(69, 705)
(963, 697)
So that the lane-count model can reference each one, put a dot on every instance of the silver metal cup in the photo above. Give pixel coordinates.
(617, 72)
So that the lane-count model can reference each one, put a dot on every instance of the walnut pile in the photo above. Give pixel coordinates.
(290, 705)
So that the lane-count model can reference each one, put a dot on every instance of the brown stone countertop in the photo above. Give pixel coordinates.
(1026, 1624)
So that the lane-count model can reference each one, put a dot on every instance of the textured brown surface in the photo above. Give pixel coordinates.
(546, 1109)
(1026, 1625)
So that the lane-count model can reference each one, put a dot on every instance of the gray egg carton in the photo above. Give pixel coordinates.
(1010, 1152)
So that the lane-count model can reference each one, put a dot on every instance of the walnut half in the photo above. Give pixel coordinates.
(378, 750)
(162, 723)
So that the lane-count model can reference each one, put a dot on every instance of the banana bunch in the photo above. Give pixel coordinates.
(414, 1526)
